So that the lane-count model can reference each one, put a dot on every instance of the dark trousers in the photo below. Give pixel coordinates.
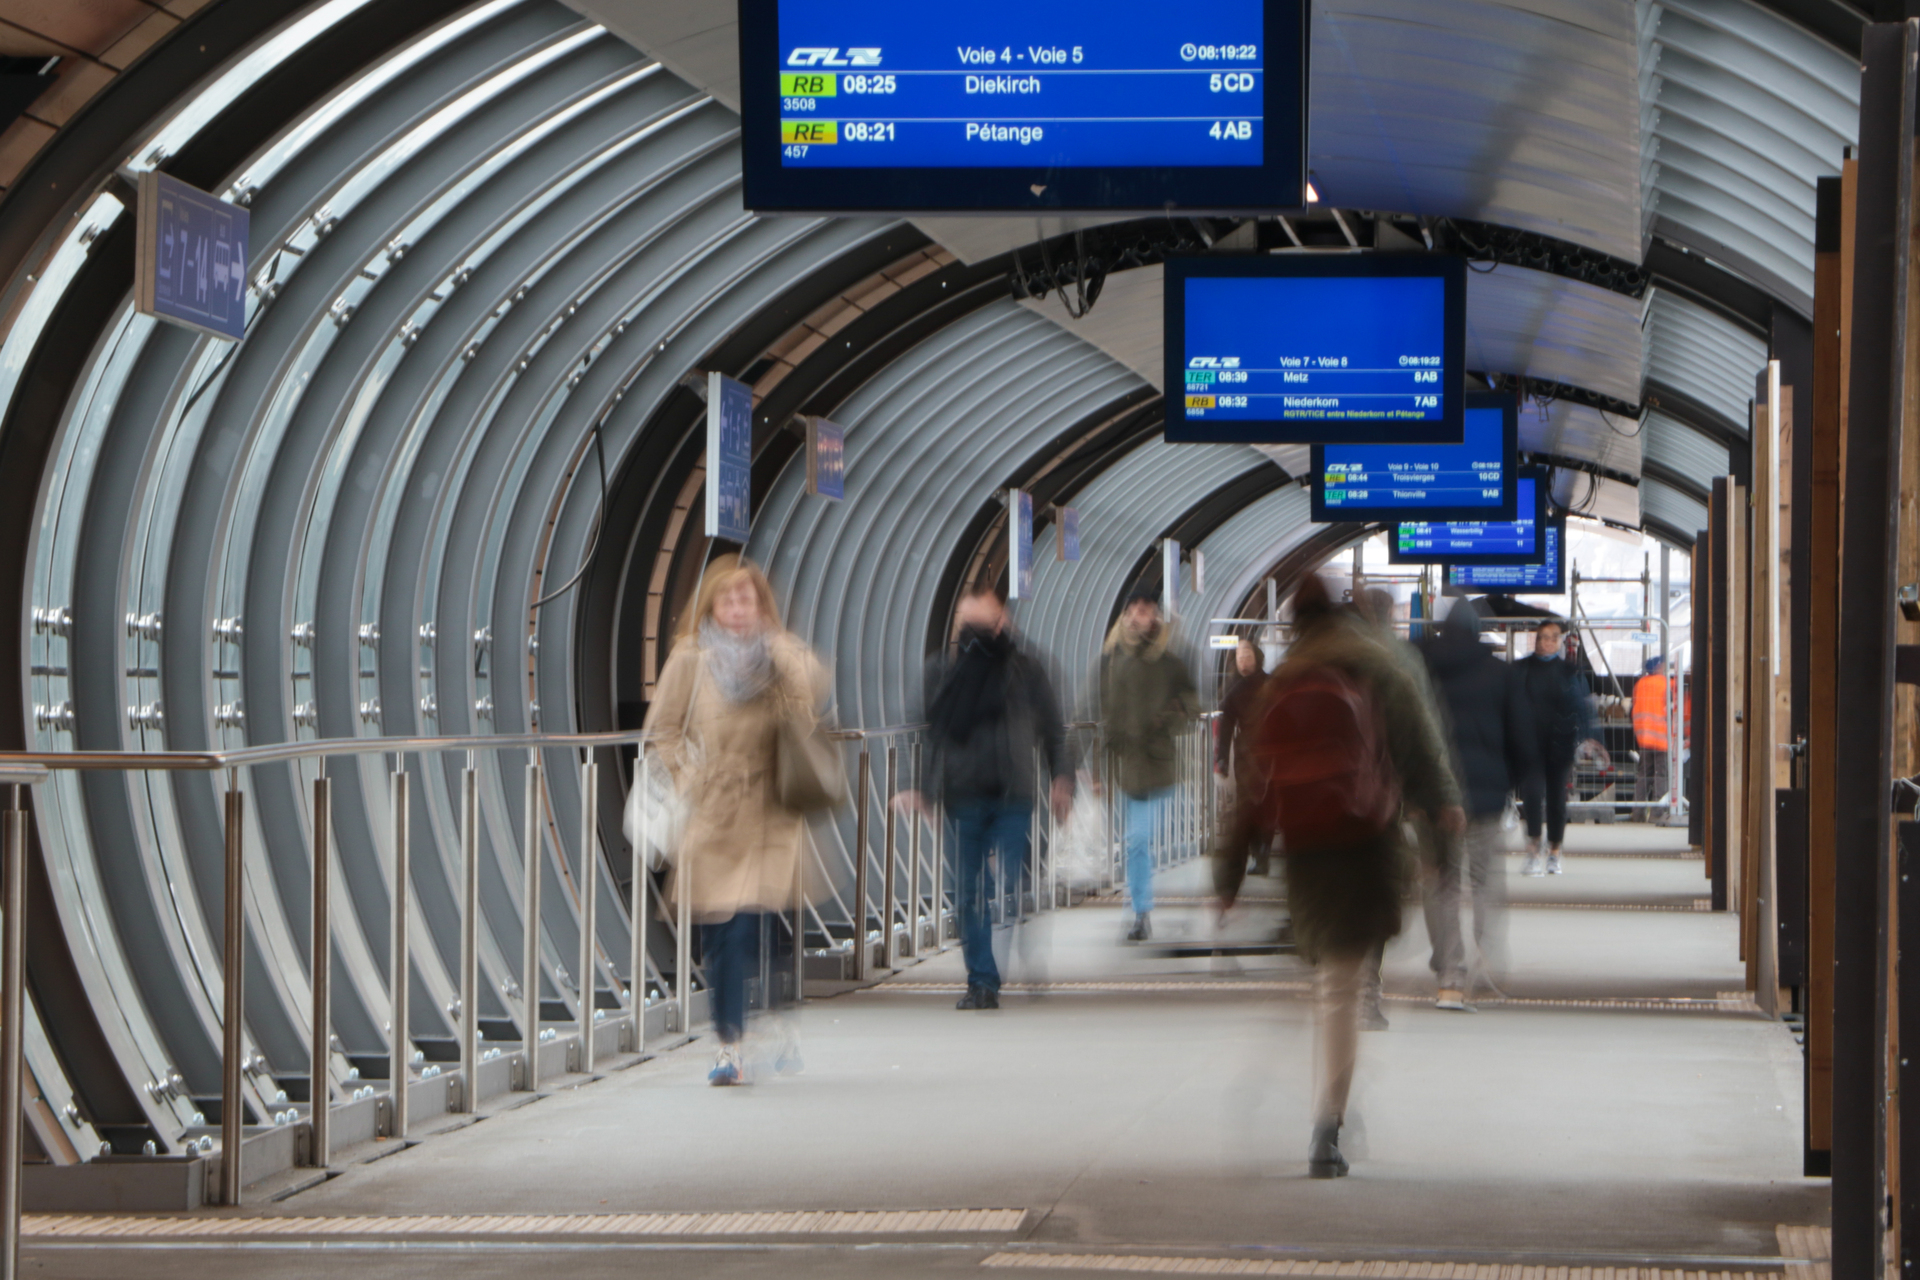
(730, 952)
(981, 828)
(1545, 791)
(1653, 779)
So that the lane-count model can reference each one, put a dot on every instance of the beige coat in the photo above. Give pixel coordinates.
(742, 850)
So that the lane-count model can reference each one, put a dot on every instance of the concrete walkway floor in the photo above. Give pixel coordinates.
(1133, 1103)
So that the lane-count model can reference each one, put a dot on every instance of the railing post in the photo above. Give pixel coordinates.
(913, 860)
(530, 916)
(637, 961)
(888, 887)
(589, 898)
(469, 935)
(800, 922)
(939, 820)
(859, 912)
(683, 945)
(13, 956)
(400, 966)
(233, 1010)
(319, 1081)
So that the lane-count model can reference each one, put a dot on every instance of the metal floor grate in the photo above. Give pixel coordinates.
(897, 1222)
(1303, 1267)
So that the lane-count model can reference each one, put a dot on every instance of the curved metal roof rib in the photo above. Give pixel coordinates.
(929, 442)
(1122, 514)
(1747, 110)
(1517, 113)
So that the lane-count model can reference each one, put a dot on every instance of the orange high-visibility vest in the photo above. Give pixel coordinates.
(1650, 713)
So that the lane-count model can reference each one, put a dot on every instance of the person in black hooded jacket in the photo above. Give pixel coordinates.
(990, 709)
(1490, 726)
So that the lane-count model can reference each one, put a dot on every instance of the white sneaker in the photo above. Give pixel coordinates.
(1553, 864)
(1535, 865)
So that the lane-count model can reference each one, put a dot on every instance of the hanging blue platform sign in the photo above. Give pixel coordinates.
(1067, 519)
(729, 458)
(826, 459)
(190, 257)
(1020, 552)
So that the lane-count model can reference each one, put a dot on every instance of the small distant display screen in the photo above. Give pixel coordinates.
(1515, 541)
(1305, 349)
(1472, 480)
(1022, 104)
(1548, 578)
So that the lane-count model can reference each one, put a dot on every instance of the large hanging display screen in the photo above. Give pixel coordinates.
(1472, 480)
(1548, 578)
(1023, 105)
(1484, 542)
(1302, 348)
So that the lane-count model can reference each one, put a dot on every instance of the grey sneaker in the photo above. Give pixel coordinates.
(1535, 865)
(1553, 865)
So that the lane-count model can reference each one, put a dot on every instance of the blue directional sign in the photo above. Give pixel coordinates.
(826, 459)
(1067, 520)
(1020, 550)
(729, 458)
(190, 257)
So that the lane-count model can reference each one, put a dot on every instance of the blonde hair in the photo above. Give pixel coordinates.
(720, 575)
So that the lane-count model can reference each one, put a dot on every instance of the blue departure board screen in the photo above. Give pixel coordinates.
(857, 105)
(1548, 578)
(1472, 480)
(1515, 541)
(1315, 348)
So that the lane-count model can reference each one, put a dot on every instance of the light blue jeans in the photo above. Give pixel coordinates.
(1142, 815)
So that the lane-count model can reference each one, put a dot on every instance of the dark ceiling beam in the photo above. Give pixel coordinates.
(1709, 422)
(1660, 473)
(1700, 279)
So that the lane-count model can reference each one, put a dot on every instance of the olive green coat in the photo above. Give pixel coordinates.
(742, 849)
(1147, 698)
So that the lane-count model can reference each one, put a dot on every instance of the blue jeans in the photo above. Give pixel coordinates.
(730, 953)
(1142, 815)
(980, 827)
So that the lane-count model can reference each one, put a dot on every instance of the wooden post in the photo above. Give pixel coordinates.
(1762, 929)
(1733, 755)
(1822, 589)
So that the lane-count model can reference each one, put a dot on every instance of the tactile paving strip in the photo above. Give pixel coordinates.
(1738, 1002)
(1302, 1267)
(707, 1225)
(1691, 905)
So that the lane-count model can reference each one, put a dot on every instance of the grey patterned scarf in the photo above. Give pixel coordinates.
(742, 666)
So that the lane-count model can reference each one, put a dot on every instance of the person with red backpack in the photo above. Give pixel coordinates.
(1345, 740)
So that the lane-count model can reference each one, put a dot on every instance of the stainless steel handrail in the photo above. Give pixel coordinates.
(27, 768)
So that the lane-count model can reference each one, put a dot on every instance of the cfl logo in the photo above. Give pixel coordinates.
(832, 58)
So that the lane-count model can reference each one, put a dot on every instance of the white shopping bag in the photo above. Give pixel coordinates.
(1085, 849)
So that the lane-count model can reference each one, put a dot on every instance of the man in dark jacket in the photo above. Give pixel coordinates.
(1562, 720)
(1486, 716)
(1148, 697)
(991, 709)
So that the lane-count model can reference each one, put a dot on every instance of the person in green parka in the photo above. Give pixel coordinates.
(1147, 698)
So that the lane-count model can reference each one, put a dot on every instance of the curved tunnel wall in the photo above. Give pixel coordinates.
(475, 250)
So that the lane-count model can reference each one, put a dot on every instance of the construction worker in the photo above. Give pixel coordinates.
(1652, 700)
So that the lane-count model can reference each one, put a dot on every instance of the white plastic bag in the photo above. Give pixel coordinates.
(1086, 851)
(655, 818)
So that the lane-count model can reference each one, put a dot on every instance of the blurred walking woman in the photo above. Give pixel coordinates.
(733, 676)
